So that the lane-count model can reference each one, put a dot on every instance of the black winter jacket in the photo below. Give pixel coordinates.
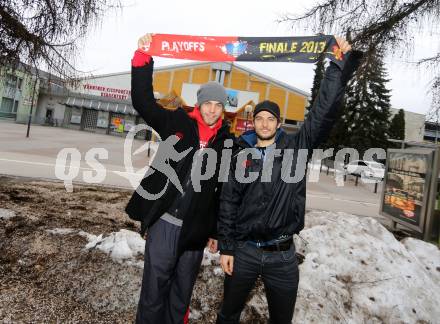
(199, 221)
(265, 210)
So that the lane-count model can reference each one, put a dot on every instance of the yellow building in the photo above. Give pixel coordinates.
(102, 103)
(177, 85)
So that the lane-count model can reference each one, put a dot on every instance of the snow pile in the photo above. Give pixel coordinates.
(123, 246)
(120, 245)
(6, 214)
(355, 271)
(428, 254)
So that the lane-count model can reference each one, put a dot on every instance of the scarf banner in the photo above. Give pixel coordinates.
(305, 49)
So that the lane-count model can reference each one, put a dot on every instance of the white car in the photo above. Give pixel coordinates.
(366, 169)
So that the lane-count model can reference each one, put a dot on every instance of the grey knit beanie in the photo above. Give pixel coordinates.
(211, 91)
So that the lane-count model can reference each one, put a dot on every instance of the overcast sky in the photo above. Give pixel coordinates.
(110, 46)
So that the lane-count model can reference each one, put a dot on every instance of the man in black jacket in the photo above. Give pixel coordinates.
(262, 205)
(179, 223)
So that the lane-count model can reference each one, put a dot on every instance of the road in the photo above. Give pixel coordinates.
(40, 156)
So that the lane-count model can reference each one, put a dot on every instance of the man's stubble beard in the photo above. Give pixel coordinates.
(266, 138)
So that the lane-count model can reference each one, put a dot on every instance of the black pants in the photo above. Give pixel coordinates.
(168, 279)
(279, 271)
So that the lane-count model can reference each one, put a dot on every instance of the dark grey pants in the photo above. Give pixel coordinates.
(280, 274)
(168, 279)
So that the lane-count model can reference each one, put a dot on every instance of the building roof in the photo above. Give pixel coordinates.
(196, 64)
(396, 110)
(99, 103)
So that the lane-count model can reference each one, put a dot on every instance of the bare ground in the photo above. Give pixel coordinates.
(47, 278)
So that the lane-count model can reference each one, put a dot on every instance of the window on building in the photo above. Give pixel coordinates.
(11, 80)
(14, 82)
(6, 105)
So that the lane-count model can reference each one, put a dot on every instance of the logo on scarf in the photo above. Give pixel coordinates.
(337, 53)
(235, 49)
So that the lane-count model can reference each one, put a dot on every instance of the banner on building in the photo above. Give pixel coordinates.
(305, 49)
(243, 125)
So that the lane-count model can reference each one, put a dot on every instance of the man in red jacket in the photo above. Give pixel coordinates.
(178, 225)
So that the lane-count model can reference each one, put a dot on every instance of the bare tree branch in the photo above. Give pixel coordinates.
(386, 25)
(48, 32)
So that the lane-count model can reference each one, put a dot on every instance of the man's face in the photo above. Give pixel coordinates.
(211, 111)
(266, 125)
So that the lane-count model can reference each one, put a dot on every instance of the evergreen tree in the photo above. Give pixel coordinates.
(397, 126)
(367, 109)
(363, 120)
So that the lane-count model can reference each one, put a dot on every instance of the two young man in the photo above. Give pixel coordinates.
(256, 220)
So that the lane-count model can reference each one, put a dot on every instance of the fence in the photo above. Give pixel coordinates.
(330, 166)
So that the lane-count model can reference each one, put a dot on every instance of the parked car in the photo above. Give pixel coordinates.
(366, 169)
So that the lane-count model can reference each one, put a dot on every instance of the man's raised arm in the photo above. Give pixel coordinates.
(142, 94)
(322, 115)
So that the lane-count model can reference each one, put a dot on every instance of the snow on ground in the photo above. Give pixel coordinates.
(126, 246)
(61, 231)
(428, 254)
(210, 259)
(354, 271)
(6, 214)
(123, 246)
